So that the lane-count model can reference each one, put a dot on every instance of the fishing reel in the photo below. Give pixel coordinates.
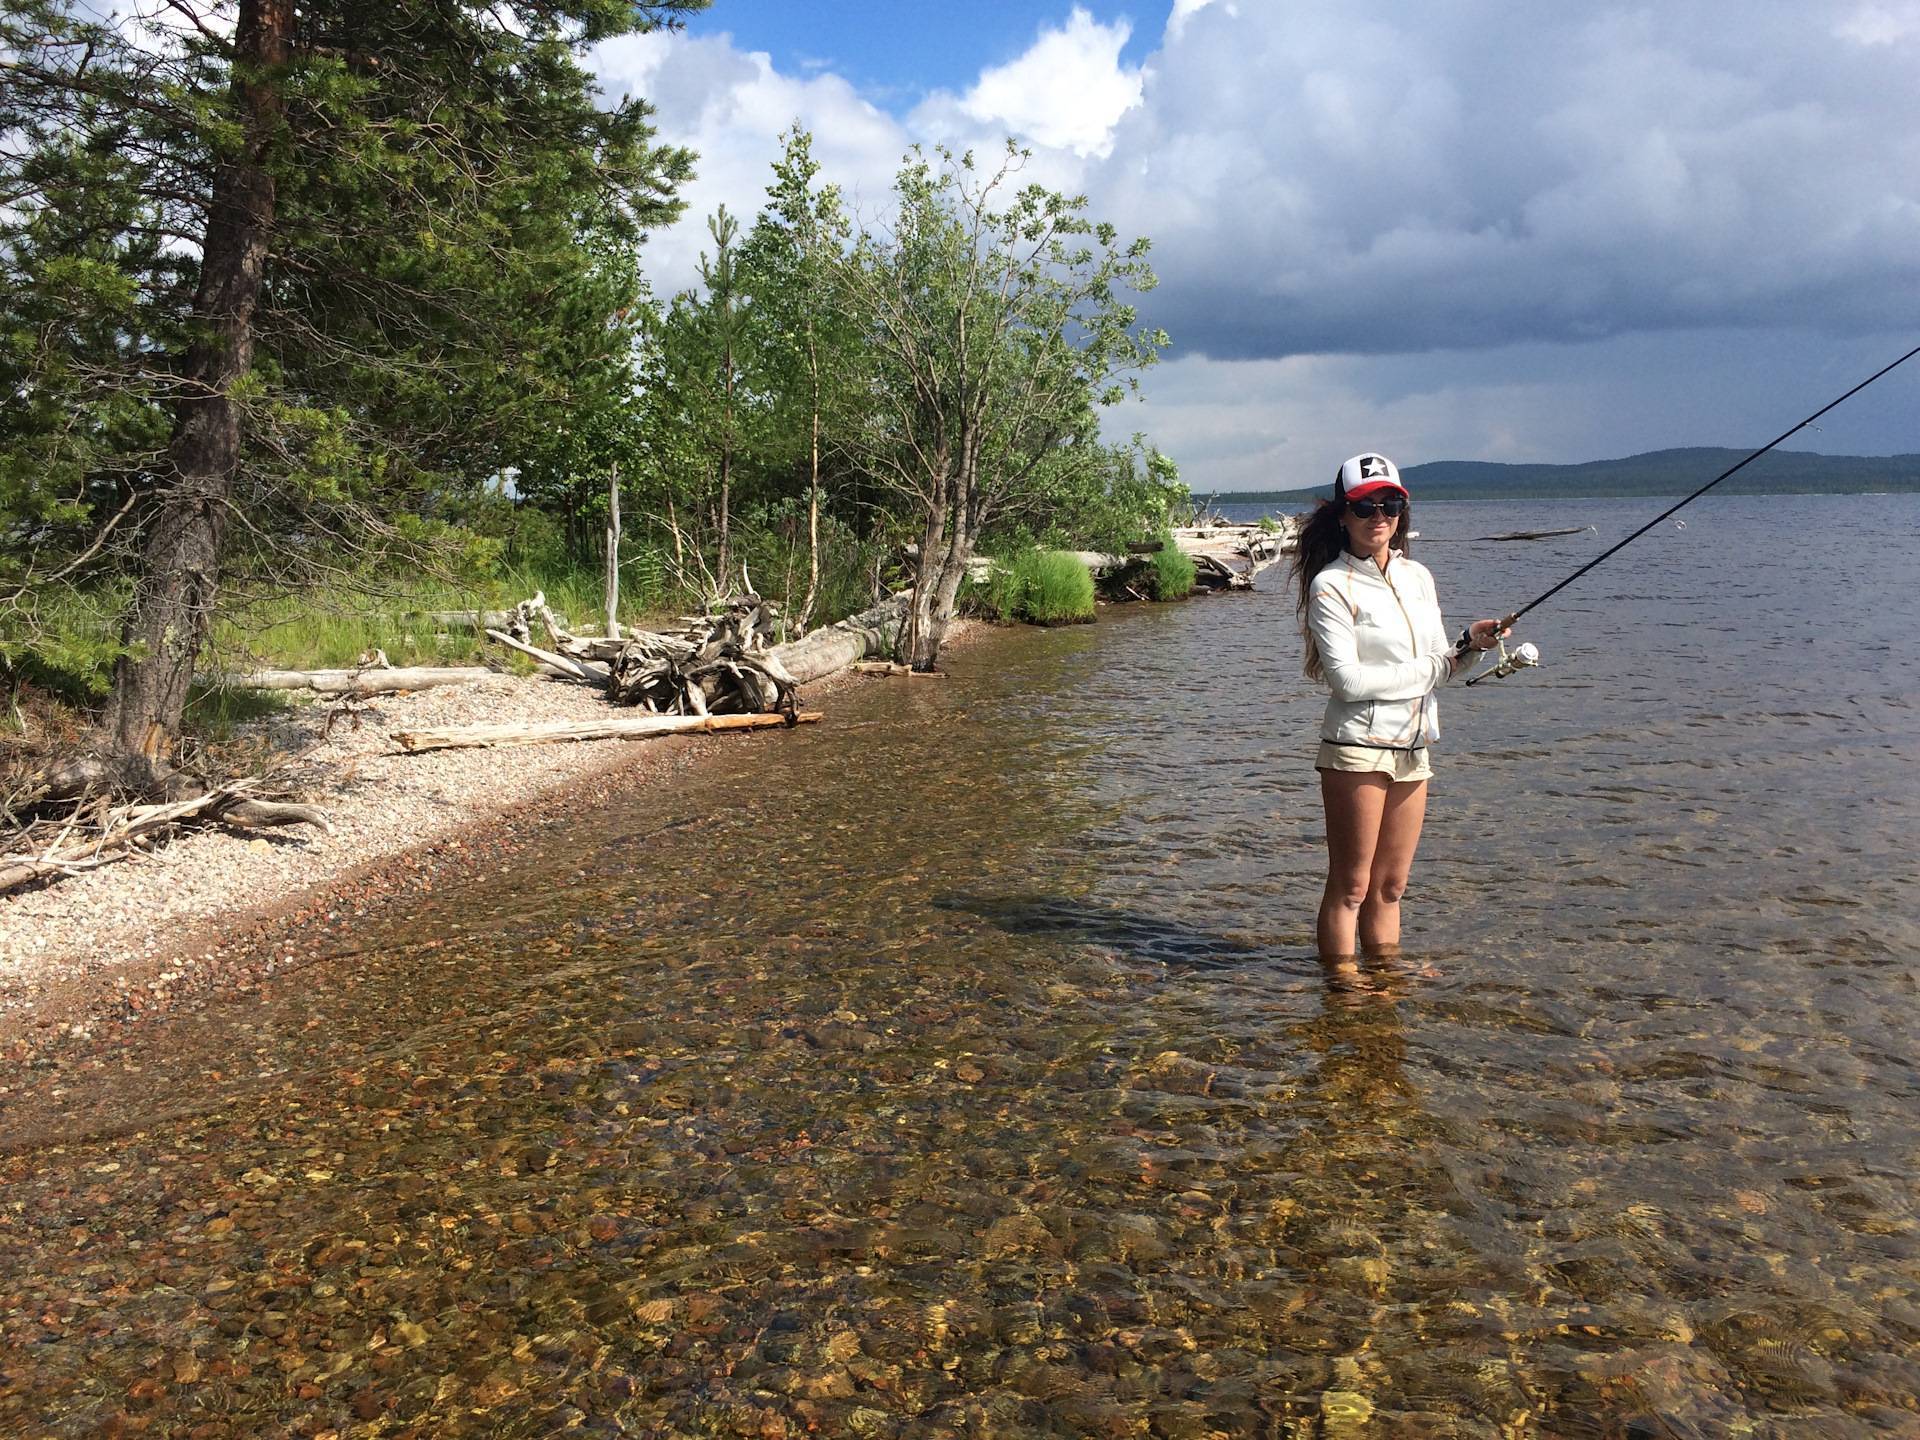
(1523, 656)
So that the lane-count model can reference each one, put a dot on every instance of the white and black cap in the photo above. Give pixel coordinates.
(1368, 474)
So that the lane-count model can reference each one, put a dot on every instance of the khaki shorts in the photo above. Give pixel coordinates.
(1396, 765)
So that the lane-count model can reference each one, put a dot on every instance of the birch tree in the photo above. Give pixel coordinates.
(792, 258)
(996, 325)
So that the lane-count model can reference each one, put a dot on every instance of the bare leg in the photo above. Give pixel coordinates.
(1399, 836)
(1354, 801)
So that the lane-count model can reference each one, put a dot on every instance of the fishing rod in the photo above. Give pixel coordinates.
(1527, 655)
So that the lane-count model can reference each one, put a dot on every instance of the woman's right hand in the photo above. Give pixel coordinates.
(1487, 633)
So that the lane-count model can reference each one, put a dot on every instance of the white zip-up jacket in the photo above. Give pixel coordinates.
(1384, 651)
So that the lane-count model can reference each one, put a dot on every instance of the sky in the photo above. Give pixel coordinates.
(1453, 230)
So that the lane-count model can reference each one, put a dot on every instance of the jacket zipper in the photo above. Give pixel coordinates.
(1413, 648)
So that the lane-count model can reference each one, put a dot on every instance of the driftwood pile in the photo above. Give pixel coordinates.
(1227, 556)
(83, 813)
(723, 664)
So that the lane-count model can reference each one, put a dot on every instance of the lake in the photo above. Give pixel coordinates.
(960, 1066)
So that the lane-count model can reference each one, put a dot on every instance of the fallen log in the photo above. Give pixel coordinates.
(979, 567)
(467, 619)
(358, 682)
(579, 669)
(1217, 572)
(890, 667)
(1098, 562)
(1538, 534)
(625, 727)
(872, 632)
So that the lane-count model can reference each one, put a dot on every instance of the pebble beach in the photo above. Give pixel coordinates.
(213, 907)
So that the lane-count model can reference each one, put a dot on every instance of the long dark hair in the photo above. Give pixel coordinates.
(1322, 539)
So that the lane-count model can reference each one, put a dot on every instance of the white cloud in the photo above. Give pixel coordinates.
(1887, 24)
(1185, 10)
(1066, 92)
(731, 107)
(1061, 98)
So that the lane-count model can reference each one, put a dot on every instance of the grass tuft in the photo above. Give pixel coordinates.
(1045, 587)
(1170, 574)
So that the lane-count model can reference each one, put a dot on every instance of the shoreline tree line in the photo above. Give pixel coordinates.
(301, 301)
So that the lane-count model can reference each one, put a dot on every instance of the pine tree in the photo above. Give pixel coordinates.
(324, 264)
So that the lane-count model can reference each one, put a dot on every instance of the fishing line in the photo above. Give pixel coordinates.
(1730, 470)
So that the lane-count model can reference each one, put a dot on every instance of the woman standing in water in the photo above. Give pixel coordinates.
(1374, 635)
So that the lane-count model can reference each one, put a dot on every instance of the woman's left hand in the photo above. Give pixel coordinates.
(1487, 634)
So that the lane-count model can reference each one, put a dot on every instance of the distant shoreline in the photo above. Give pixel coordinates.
(1305, 498)
(1657, 474)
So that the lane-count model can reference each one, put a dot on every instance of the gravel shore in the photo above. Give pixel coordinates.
(134, 937)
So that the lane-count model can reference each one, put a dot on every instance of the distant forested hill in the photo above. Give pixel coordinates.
(1658, 472)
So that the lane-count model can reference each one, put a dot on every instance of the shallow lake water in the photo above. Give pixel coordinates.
(960, 1066)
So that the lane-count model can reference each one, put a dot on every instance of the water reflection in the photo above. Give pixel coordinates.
(960, 1067)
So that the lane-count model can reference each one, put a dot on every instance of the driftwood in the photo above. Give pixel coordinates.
(111, 808)
(566, 665)
(1539, 534)
(1217, 572)
(721, 666)
(979, 567)
(890, 667)
(613, 553)
(1227, 557)
(359, 682)
(873, 632)
(620, 727)
(465, 619)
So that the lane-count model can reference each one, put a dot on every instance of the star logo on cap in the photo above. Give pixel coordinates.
(1372, 465)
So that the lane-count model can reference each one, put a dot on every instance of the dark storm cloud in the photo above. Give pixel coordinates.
(1384, 179)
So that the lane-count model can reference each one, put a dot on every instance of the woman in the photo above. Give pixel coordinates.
(1374, 635)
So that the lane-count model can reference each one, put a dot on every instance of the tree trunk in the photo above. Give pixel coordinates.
(813, 489)
(919, 645)
(943, 566)
(613, 554)
(725, 557)
(959, 552)
(172, 607)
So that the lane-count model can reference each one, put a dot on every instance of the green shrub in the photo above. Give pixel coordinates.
(772, 540)
(1063, 589)
(1046, 587)
(1170, 574)
(998, 596)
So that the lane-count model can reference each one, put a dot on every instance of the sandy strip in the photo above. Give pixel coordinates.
(132, 938)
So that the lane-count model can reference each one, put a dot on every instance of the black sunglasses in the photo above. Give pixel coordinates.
(1393, 506)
